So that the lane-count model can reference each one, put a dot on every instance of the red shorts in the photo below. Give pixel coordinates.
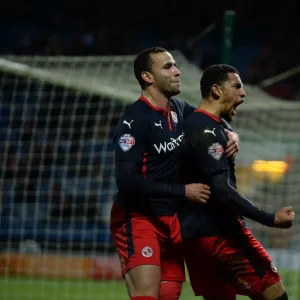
(220, 266)
(142, 240)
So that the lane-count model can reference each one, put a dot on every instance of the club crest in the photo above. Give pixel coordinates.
(174, 116)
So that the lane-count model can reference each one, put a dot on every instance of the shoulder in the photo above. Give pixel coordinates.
(134, 121)
(196, 121)
(182, 105)
(138, 112)
(136, 109)
(201, 127)
(178, 102)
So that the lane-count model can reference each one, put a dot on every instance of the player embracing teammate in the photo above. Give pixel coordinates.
(144, 218)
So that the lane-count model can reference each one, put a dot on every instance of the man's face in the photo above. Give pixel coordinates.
(165, 74)
(232, 96)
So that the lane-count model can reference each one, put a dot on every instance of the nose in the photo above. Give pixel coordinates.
(243, 94)
(177, 72)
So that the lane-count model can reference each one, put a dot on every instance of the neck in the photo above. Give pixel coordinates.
(210, 106)
(157, 99)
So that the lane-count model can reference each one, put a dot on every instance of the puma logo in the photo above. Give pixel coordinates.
(128, 123)
(158, 124)
(210, 131)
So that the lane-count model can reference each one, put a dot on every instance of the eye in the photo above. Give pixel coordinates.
(169, 65)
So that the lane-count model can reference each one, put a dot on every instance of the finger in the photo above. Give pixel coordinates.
(202, 201)
(232, 154)
(289, 209)
(230, 143)
(203, 187)
(204, 193)
(231, 148)
(230, 151)
(229, 134)
(206, 187)
(204, 197)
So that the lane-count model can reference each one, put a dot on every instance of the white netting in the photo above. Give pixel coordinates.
(57, 116)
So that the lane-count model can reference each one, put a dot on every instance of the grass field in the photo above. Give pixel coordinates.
(34, 289)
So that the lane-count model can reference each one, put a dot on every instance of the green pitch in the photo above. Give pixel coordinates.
(34, 289)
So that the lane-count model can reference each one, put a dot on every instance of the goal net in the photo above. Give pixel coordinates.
(58, 115)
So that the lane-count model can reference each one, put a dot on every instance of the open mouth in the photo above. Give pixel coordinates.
(236, 105)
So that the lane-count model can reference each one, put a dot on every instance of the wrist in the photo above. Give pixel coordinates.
(272, 220)
(183, 190)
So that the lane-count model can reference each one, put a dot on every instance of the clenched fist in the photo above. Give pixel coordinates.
(284, 218)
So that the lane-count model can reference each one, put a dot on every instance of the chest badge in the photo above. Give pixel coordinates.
(174, 116)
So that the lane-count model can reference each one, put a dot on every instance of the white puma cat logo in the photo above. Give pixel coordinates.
(128, 123)
(158, 124)
(210, 131)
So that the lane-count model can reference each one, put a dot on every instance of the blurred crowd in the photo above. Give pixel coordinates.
(265, 43)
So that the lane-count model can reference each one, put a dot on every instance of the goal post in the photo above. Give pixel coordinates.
(57, 118)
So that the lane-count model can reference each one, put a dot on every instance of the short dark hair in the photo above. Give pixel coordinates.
(143, 63)
(215, 74)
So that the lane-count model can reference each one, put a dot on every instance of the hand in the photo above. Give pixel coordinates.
(284, 218)
(197, 192)
(233, 143)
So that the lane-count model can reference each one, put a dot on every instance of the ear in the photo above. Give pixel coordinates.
(216, 91)
(147, 77)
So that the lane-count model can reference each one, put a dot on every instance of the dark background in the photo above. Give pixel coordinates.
(266, 36)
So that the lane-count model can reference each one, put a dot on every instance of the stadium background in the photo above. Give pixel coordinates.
(66, 77)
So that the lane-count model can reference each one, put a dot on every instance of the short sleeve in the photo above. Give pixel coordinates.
(208, 151)
(130, 139)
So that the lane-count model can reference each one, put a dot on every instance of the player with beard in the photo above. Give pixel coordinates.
(222, 256)
(144, 222)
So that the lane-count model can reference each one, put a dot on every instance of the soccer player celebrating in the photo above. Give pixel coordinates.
(222, 255)
(144, 222)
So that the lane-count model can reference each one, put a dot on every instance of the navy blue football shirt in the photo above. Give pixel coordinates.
(147, 146)
(205, 161)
